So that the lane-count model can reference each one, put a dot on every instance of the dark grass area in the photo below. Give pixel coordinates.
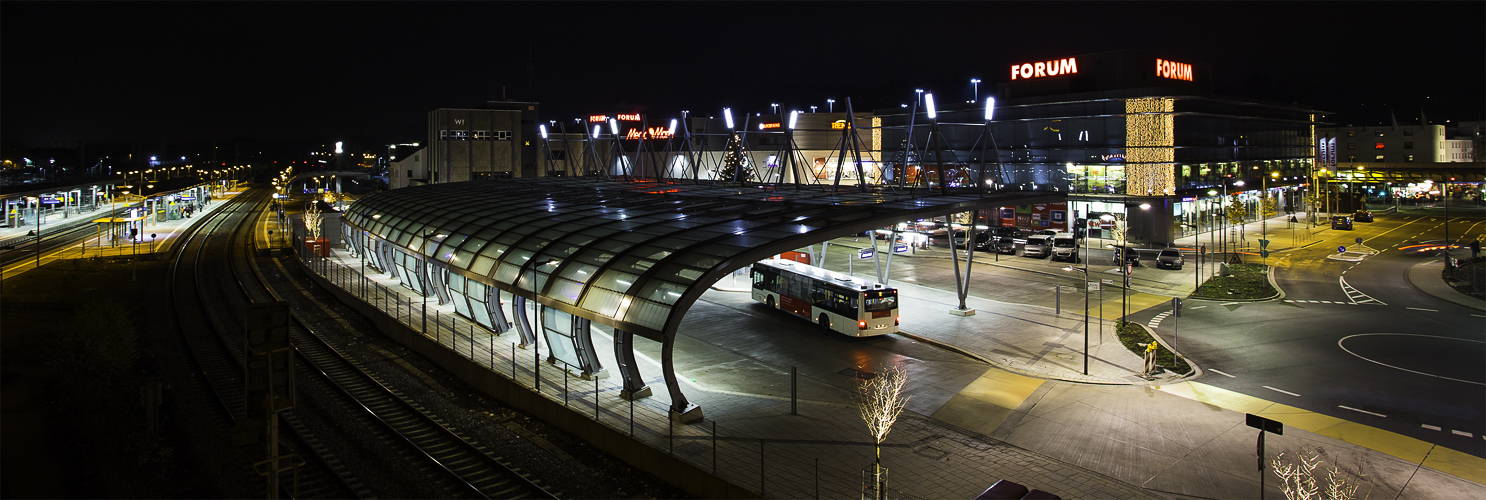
(1246, 281)
(1136, 339)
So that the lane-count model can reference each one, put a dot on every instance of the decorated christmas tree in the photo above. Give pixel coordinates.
(735, 164)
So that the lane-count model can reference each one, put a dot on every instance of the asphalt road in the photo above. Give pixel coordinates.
(1354, 340)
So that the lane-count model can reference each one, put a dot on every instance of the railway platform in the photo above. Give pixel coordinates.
(157, 237)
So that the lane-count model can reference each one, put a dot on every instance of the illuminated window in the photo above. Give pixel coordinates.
(1351, 145)
(1378, 145)
(1351, 133)
(1408, 145)
(1379, 158)
(1380, 133)
(1408, 158)
(1352, 158)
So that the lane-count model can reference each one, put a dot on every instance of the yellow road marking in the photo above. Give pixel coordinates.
(1436, 457)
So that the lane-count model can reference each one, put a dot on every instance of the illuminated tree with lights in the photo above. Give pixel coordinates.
(735, 164)
(312, 218)
(1237, 212)
(880, 400)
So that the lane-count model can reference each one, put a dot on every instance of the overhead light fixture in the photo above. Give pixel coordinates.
(614, 127)
(543, 130)
(990, 107)
(595, 131)
(672, 131)
(793, 115)
(929, 100)
(727, 116)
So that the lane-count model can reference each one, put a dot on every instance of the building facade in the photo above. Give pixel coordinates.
(495, 141)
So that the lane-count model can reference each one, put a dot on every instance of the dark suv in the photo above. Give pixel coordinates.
(1341, 222)
(1362, 216)
(1169, 257)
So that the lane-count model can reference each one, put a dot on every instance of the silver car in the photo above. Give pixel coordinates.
(1037, 246)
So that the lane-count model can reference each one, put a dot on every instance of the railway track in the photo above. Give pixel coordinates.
(459, 467)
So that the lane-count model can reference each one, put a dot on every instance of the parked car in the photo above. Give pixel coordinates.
(1037, 246)
(983, 240)
(1127, 254)
(1065, 247)
(1341, 222)
(1004, 244)
(1362, 216)
(1169, 257)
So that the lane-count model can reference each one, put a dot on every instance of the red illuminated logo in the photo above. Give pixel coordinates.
(768, 125)
(651, 133)
(598, 118)
(628, 117)
(1057, 67)
(1173, 70)
(839, 125)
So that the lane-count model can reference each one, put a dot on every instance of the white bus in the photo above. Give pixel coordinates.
(834, 301)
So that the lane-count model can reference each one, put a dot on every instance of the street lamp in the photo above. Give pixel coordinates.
(919, 96)
(1085, 270)
(976, 83)
(775, 106)
(812, 109)
(830, 105)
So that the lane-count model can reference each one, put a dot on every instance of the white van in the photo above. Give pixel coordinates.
(1037, 245)
(1065, 247)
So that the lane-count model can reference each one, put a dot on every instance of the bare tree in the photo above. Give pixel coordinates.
(1298, 479)
(880, 400)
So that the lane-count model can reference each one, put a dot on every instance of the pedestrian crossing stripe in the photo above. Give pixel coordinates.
(1357, 296)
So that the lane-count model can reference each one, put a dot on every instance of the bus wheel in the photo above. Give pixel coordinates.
(770, 301)
(825, 322)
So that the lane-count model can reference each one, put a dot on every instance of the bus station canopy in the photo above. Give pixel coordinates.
(631, 255)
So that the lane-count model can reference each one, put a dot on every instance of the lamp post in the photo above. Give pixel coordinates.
(975, 82)
(830, 105)
(1085, 272)
(775, 107)
(812, 109)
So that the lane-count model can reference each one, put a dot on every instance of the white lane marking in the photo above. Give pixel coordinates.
(1200, 307)
(1430, 427)
(1223, 374)
(1281, 391)
(1230, 303)
(1362, 411)
(1476, 315)
(1355, 295)
(1423, 309)
(1349, 351)
(1460, 433)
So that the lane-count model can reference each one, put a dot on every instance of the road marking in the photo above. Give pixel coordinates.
(1355, 295)
(1282, 391)
(1223, 374)
(1422, 309)
(1230, 303)
(1430, 427)
(1362, 411)
(1200, 307)
(1476, 315)
(1460, 433)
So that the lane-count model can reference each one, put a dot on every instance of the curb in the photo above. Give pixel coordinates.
(1268, 272)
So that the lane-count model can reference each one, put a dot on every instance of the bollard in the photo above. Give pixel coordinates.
(793, 392)
(714, 447)
(671, 439)
(595, 398)
(761, 475)
(632, 416)
(1057, 299)
(564, 388)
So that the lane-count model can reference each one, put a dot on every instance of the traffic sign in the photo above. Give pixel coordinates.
(1176, 307)
(900, 248)
(1093, 286)
(1264, 253)
(1341, 249)
(1263, 243)
(1359, 240)
(1107, 281)
(866, 253)
(1265, 424)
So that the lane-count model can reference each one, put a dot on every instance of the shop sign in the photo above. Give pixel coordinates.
(628, 117)
(650, 133)
(598, 118)
(1112, 157)
(1057, 67)
(1173, 70)
(839, 125)
(766, 126)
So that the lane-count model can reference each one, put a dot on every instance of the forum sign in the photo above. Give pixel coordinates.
(1057, 67)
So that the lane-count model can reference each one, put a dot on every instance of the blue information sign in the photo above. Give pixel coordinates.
(1341, 249)
(866, 253)
(900, 248)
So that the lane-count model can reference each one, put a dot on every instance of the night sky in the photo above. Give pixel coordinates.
(135, 71)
